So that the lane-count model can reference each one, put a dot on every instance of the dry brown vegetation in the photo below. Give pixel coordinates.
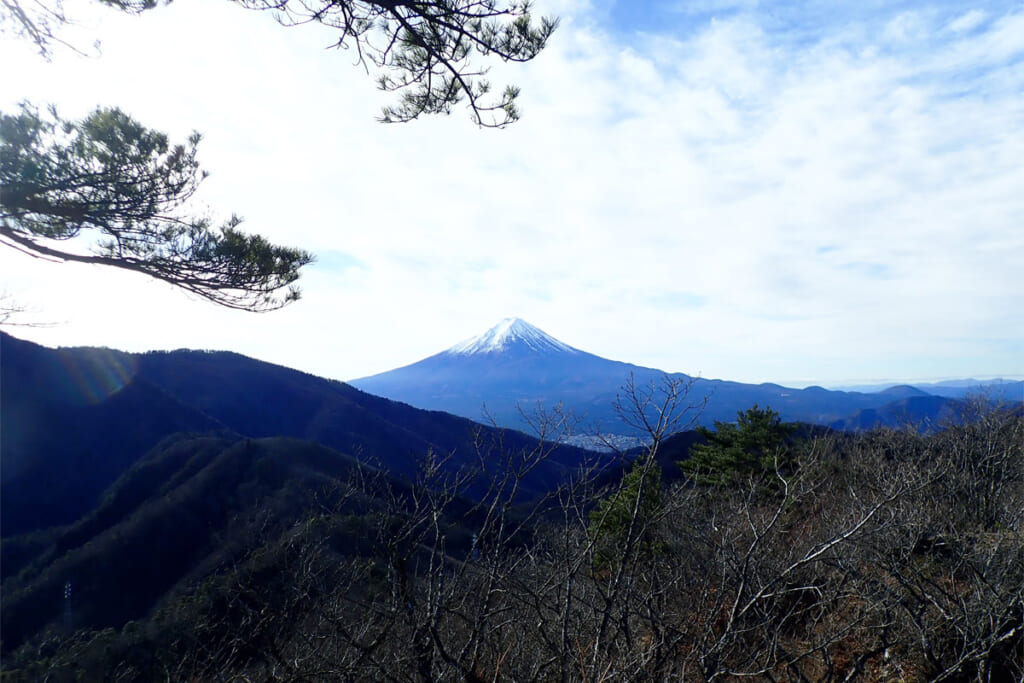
(877, 557)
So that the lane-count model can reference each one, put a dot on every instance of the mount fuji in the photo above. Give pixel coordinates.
(511, 335)
(514, 367)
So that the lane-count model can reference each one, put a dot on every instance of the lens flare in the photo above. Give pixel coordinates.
(94, 375)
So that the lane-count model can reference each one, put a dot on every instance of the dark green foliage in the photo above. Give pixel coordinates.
(625, 519)
(124, 189)
(755, 445)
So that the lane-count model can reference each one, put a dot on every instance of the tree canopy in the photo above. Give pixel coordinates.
(737, 451)
(427, 51)
(626, 517)
(122, 189)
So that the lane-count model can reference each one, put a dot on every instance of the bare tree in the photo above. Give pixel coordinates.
(13, 313)
(885, 556)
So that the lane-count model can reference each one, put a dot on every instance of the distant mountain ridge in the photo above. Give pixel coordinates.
(514, 367)
(996, 389)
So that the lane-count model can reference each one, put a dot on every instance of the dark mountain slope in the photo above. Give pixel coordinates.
(260, 399)
(901, 391)
(187, 508)
(72, 421)
(923, 413)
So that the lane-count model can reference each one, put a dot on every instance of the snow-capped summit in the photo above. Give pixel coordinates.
(511, 333)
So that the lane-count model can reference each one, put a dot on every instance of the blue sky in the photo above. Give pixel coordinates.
(807, 192)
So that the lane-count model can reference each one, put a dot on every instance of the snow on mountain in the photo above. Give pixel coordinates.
(511, 332)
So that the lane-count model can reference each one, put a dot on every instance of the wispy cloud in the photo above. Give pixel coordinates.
(745, 191)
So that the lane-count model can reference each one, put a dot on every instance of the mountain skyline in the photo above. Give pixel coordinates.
(795, 192)
(511, 329)
(511, 369)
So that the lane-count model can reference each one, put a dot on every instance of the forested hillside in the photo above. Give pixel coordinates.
(74, 420)
(886, 555)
